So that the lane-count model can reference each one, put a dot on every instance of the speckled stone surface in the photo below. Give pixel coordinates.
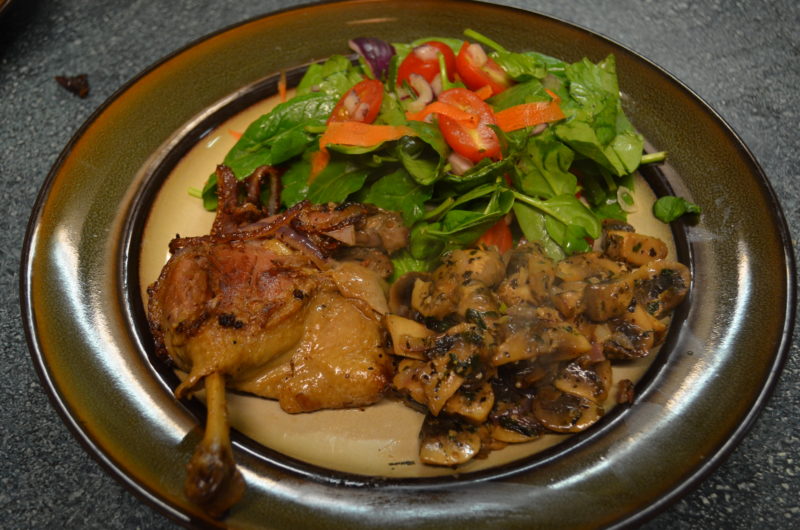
(741, 57)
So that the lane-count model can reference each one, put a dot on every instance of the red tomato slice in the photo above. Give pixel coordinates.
(499, 235)
(424, 60)
(470, 140)
(477, 70)
(361, 103)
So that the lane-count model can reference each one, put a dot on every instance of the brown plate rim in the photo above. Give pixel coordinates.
(690, 480)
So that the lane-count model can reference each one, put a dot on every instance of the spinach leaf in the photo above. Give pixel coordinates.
(209, 193)
(669, 208)
(519, 66)
(532, 223)
(279, 135)
(294, 182)
(527, 92)
(334, 77)
(484, 172)
(572, 238)
(461, 227)
(566, 209)
(543, 167)
(422, 162)
(339, 179)
(596, 127)
(398, 191)
(391, 112)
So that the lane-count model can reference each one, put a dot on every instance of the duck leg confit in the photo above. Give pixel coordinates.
(258, 306)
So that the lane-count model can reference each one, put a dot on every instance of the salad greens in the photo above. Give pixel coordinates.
(669, 208)
(558, 180)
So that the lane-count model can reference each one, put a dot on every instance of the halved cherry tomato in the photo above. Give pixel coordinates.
(465, 137)
(361, 103)
(478, 70)
(498, 235)
(424, 60)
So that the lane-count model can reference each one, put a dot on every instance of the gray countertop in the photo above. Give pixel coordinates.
(741, 57)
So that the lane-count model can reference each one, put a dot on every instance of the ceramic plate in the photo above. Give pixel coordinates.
(83, 314)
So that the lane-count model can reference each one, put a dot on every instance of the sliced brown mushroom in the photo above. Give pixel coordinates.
(530, 274)
(477, 296)
(633, 248)
(401, 290)
(567, 297)
(545, 334)
(409, 338)
(476, 264)
(407, 380)
(588, 266)
(512, 419)
(608, 299)
(589, 381)
(433, 299)
(473, 404)
(633, 335)
(562, 412)
(447, 441)
(661, 285)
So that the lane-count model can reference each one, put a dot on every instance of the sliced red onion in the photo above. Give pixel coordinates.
(427, 52)
(423, 90)
(479, 56)
(436, 85)
(538, 129)
(360, 112)
(459, 164)
(350, 102)
(376, 52)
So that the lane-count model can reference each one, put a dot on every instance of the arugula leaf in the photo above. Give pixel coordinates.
(669, 208)
(398, 191)
(334, 77)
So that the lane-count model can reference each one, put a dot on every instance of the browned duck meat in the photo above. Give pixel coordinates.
(258, 305)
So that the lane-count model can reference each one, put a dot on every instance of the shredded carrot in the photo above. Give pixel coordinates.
(282, 86)
(439, 107)
(235, 134)
(528, 115)
(362, 134)
(353, 133)
(485, 92)
(319, 160)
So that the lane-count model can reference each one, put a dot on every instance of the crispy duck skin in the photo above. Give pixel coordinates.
(258, 305)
